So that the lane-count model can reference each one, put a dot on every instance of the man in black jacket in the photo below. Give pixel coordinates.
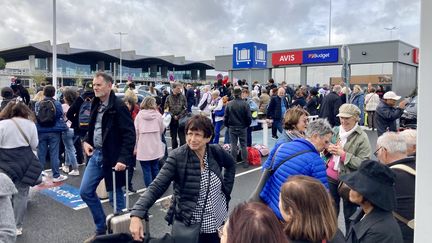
(276, 110)
(392, 151)
(237, 119)
(387, 113)
(110, 142)
(330, 106)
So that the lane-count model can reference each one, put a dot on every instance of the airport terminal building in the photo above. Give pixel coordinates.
(393, 64)
(74, 63)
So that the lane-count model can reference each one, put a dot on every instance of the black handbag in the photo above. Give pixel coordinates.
(34, 166)
(183, 233)
(268, 172)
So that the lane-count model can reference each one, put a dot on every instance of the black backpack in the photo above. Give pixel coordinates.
(84, 113)
(46, 115)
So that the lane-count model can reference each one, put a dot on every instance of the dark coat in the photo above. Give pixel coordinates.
(237, 114)
(385, 117)
(183, 167)
(405, 195)
(73, 112)
(274, 110)
(330, 108)
(118, 137)
(378, 226)
(312, 106)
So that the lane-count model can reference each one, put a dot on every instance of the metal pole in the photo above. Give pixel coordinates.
(120, 69)
(54, 49)
(330, 22)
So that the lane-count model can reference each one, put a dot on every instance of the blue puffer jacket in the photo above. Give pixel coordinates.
(60, 125)
(308, 164)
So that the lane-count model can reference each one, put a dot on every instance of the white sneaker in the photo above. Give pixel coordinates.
(74, 173)
(19, 231)
(60, 178)
(65, 169)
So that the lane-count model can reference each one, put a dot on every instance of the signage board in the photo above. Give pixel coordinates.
(321, 56)
(249, 55)
(416, 55)
(287, 58)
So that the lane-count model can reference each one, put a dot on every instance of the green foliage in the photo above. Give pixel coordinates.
(2, 64)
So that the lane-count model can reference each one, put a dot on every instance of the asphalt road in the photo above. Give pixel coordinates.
(48, 220)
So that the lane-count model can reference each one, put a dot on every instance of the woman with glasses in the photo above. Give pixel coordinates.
(295, 124)
(350, 146)
(299, 157)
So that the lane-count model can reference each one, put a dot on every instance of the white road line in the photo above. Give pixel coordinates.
(164, 198)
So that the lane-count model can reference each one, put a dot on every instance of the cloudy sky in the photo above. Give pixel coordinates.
(201, 29)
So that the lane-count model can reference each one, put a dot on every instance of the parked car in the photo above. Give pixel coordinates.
(162, 87)
(143, 87)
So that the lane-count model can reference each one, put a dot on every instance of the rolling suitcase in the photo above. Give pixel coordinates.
(119, 222)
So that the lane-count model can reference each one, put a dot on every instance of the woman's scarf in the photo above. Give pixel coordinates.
(343, 137)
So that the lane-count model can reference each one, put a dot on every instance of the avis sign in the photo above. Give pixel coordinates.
(249, 55)
(287, 58)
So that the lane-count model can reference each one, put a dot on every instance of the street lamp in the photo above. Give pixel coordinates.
(391, 29)
(121, 34)
(223, 49)
(330, 24)
(54, 48)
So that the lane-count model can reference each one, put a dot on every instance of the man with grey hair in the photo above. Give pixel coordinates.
(298, 157)
(410, 137)
(392, 151)
(330, 106)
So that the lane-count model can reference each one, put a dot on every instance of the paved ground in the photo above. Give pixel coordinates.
(50, 221)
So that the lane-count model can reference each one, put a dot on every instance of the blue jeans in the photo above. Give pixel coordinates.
(150, 170)
(70, 152)
(218, 127)
(50, 142)
(227, 137)
(93, 174)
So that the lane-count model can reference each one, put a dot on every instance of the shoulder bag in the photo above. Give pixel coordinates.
(268, 172)
(411, 171)
(183, 233)
(33, 173)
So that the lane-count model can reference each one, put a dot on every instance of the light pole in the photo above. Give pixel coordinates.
(121, 34)
(54, 49)
(330, 24)
(223, 49)
(391, 29)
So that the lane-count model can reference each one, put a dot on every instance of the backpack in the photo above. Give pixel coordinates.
(254, 156)
(46, 115)
(84, 113)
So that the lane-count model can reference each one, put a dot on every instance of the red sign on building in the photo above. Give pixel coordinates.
(416, 55)
(287, 58)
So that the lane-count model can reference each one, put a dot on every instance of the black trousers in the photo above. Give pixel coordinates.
(174, 132)
(349, 208)
(209, 238)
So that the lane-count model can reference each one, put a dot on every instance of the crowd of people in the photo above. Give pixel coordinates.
(315, 164)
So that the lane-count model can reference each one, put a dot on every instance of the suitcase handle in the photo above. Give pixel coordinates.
(115, 189)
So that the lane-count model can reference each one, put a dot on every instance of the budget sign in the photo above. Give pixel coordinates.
(287, 58)
(321, 56)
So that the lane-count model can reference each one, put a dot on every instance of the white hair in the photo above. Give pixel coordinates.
(392, 142)
(215, 92)
(254, 93)
(320, 126)
(410, 137)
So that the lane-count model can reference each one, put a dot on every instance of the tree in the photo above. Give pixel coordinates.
(2, 63)
(39, 78)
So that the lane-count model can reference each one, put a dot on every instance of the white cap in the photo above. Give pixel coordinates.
(391, 96)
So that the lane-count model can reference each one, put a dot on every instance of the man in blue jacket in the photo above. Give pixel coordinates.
(50, 134)
(303, 159)
(276, 111)
(387, 113)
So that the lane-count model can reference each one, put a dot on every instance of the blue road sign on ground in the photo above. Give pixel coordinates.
(321, 56)
(249, 55)
(65, 194)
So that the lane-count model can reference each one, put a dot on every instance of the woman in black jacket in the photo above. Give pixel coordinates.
(201, 190)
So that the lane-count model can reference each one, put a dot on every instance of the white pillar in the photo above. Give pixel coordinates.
(54, 49)
(423, 201)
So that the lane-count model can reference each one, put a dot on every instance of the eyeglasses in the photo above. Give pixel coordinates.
(376, 152)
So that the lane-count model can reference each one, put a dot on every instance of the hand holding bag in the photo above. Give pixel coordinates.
(268, 172)
(189, 233)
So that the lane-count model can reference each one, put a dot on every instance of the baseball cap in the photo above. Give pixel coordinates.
(348, 110)
(88, 86)
(391, 96)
